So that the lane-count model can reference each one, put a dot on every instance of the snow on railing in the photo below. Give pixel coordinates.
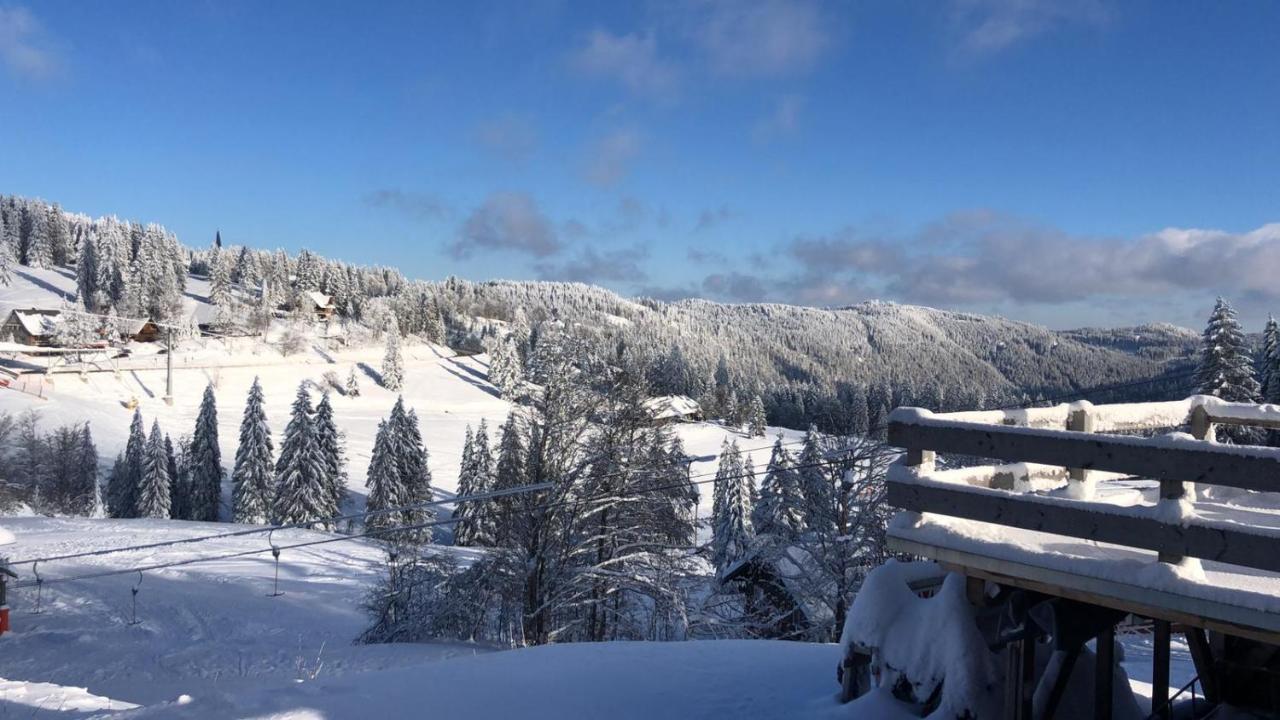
(1061, 453)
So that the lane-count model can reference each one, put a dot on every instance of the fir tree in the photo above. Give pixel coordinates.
(86, 483)
(386, 487)
(252, 479)
(333, 450)
(509, 473)
(482, 458)
(393, 361)
(731, 517)
(206, 461)
(1270, 392)
(756, 419)
(780, 510)
(464, 529)
(353, 383)
(153, 493)
(122, 490)
(816, 486)
(179, 493)
(302, 494)
(1225, 370)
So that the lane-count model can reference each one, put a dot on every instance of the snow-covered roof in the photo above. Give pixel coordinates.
(672, 406)
(320, 299)
(36, 321)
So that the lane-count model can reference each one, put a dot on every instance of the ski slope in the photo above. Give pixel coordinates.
(448, 393)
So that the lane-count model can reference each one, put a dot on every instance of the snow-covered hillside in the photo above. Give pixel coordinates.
(449, 392)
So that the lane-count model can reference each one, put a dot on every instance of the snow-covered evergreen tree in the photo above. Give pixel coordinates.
(302, 493)
(464, 529)
(756, 417)
(353, 383)
(393, 360)
(1270, 362)
(253, 478)
(122, 491)
(179, 484)
(731, 518)
(816, 485)
(86, 473)
(153, 493)
(206, 461)
(333, 449)
(505, 372)
(386, 487)
(780, 511)
(1225, 369)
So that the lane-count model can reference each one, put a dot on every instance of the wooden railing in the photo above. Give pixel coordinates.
(1075, 443)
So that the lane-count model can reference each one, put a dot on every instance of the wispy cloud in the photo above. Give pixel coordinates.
(26, 50)
(990, 26)
(592, 266)
(507, 221)
(783, 119)
(761, 37)
(510, 137)
(712, 217)
(632, 60)
(417, 206)
(609, 158)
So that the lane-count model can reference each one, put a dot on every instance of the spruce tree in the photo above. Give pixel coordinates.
(1225, 370)
(816, 486)
(780, 510)
(756, 419)
(86, 473)
(393, 360)
(206, 461)
(1270, 361)
(509, 473)
(482, 458)
(122, 490)
(179, 493)
(353, 383)
(253, 479)
(302, 494)
(153, 493)
(464, 529)
(386, 488)
(333, 450)
(731, 515)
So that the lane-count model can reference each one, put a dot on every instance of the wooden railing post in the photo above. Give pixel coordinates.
(918, 458)
(1080, 420)
(1172, 491)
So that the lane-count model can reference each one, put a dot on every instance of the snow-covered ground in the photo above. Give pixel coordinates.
(448, 392)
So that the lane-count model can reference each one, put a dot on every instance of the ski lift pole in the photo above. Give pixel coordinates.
(39, 585)
(275, 553)
(134, 593)
(5, 573)
(168, 366)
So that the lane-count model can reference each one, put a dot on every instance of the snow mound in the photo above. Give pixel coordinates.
(6, 537)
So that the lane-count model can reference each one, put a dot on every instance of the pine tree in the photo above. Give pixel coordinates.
(731, 517)
(816, 486)
(780, 510)
(414, 472)
(386, 488)
(464, 529)
(206, 461)
(333, 450)
(252, 479)
(86, 473)
(1270, 392)
(179, 492)
(393, 361)
(122, 491)
(486, 523)
(509, 473)
(757, 419)
(153, 493)
(302, 494)
(1225, 370)
(353, 383)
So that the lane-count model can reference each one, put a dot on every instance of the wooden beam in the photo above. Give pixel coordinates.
(1143, 457)
(1221, 544)
(1137, 599)
(1105, 674)
(1160, 670)
(1202, 656)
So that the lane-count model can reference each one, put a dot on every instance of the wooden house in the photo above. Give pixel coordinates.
(32, 326)
(673, 409)
(321, 304)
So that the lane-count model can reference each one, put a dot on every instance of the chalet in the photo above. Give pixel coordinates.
(673, 409)
(143, 331)
(767, 577)
(321, 304)
(32, 326)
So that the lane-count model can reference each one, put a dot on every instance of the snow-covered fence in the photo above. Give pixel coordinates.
(1045, 445)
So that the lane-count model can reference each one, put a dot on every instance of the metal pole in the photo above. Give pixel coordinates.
(168, 362)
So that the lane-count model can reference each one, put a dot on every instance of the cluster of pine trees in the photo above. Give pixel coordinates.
(52, 473)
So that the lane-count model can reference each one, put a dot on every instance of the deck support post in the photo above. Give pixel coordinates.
(1104, 679)
(1080, 421)
(1020, 674)
(1160, 669)
(1202, 656)
(1060, 680)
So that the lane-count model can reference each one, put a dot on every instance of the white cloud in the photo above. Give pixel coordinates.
(761, 37)
(630, 59)
(989, 26)
(507, 221)
(24, 46)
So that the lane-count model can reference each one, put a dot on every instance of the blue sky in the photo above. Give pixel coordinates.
(1069, 163)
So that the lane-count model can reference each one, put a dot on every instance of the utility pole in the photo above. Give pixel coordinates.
(168, 362)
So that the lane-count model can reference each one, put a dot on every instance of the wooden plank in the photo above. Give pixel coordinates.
(1143, 457)
(1140, 600)
(1202, 656)
(1228, 545)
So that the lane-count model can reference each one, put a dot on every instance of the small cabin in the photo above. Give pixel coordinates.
(673, 409)
(32, 326)
(321, 304)
(143, 331)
